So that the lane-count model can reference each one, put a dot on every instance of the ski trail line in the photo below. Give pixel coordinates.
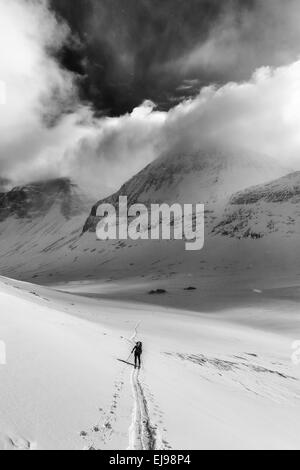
(141, 433)
(134, 336)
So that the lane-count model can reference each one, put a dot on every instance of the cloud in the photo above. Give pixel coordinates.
(125, 44)
(261, 114)
(33, 126)
(244, 39)
(117, 149)
(47, 132)
(146, 49)
(27, 34)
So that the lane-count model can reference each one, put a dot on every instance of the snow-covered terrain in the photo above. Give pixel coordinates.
(41, 241)
(264, 210)
(217, 326)
(37, 220)
(208, 380)
(208, 176)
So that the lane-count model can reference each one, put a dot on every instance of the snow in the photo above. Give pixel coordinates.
(209, 379)
(47, 246)
(220, 370)
(269, 210)
(58, 371)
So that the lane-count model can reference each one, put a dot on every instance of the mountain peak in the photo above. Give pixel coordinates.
(209, 176)
(280, 190)
(262, 210)
(35, 199)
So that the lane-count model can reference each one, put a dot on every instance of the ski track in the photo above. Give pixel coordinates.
(142, 436)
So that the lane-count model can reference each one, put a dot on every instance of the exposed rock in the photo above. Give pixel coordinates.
(34, 199)
(263, 210)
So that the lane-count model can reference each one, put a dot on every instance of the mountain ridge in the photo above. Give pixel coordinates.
(263, 210)
(48, 246)
(37, 198)
(207, 176)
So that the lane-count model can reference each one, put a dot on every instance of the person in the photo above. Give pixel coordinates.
(137, 350)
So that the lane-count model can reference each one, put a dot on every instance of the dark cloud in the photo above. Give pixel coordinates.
(125, 56)
(123, 48)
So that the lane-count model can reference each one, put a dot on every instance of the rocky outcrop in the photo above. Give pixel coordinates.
(263, 210)
(38, 198)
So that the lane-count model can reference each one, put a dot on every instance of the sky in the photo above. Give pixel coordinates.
(97, 89)
(129, 51)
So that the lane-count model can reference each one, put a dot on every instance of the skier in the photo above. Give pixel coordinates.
(137, 350)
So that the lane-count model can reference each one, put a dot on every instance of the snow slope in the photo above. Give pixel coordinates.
(36, 220)
(208, 176)
(41, 225)
(207, 381)
(264, 210)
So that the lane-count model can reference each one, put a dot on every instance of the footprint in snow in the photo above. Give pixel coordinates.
(18, 443)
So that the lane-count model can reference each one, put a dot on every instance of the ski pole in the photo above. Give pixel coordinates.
(129, 357)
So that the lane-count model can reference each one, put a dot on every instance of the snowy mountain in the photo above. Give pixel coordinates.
(36, 219)
(208, 176)
(263, 210)
(37, 199)
(45, 235)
